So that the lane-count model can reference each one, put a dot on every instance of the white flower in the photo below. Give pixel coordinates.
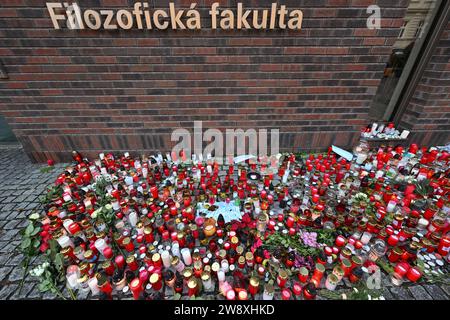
(39, 270)
(34, 216)
(95, 213)
(381, 298)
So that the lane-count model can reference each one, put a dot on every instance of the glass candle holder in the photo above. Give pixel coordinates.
(377, 250)
(338, 272)
(331, 282)
(268, 292)
(207, 281)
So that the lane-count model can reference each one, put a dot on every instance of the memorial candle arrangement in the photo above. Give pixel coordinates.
(131, 227)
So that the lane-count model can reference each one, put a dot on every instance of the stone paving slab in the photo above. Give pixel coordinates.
(21, 184)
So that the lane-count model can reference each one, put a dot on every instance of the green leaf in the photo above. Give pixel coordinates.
(29, 229)
(26, 242)
(59, 261)
(53, 244)
(35, 232)
(36, 243)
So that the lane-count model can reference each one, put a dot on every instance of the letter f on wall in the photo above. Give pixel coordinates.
(51, 6)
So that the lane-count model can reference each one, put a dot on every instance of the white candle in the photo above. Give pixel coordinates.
(133, 218)
(67, 223)
(374, 127)
(72, 280)
(207, 284)
(129, 180)
(285, 176)
(361, 157)
(224, 265)
(165, 256)
(67, 197)
(176, 249)
(221, 276)
(65, 242)
(404, 134)
(366, 238)
(186, 253)
(391, 206)
(92, 282)
(100, 244)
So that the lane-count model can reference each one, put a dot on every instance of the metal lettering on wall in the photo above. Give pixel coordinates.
(142, 17)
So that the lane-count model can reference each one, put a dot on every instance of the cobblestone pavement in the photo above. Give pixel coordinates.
(22, 182)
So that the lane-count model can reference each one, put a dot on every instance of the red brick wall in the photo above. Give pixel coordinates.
(428, 112)
(127, 90)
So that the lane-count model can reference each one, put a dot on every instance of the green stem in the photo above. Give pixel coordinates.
(72, 295)
(58, 292)
(24, 275)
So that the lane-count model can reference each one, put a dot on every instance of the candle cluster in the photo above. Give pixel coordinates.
(383, 131)
(131, 226)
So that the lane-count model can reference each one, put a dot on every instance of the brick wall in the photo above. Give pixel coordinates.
(127, 90)
(428, 112)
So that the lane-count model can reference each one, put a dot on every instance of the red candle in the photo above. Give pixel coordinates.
(271, 224)
(165, 235)
(392, 240)
(340, 241)
(315, 198)
(120, 261)
(303, 274)
(136, 288)
(413, 274)
(290, 222)
(154, 192)
(282, 278)
(253, 287)
(444, 246)
(401, 268)
(292, 231)
(108, 253)
(155, 281)
(132, 263)
(286, 294)
(297, 289)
